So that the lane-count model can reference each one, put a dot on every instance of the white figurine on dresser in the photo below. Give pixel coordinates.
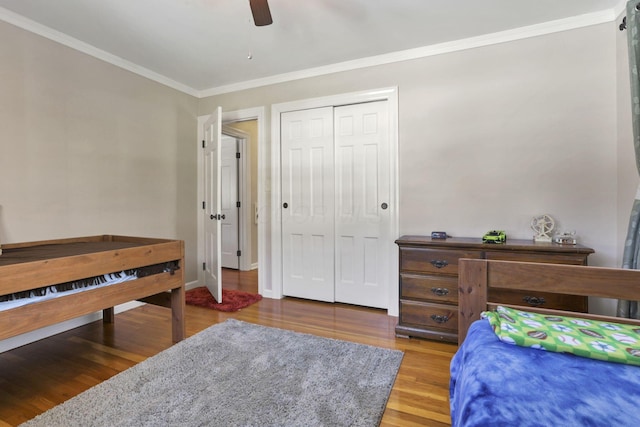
(543, 225)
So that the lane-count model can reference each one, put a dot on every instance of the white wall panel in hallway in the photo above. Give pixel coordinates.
(230, 243)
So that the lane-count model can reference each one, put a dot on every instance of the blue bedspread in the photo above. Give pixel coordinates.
(493, 383)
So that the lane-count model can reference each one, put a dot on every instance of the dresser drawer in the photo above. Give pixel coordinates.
(539, 299)
(436, 261)
(434, 316)
(429, 288)
(555, 258)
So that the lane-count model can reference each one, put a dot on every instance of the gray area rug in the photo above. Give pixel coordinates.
(240, 374)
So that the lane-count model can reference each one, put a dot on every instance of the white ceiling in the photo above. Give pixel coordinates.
(202, 46)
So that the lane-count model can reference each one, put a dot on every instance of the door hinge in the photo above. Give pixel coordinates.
(239, 253)
(237, 204)
(237, 155)
(203, 143)
(204, 205)
(204, 266)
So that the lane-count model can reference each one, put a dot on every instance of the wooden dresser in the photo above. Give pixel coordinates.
(429, 280)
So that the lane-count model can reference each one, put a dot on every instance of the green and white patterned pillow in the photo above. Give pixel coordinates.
(613, 342)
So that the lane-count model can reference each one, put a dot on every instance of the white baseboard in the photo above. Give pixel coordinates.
(192, 285)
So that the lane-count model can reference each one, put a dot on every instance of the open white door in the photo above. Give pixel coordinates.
(212, 216)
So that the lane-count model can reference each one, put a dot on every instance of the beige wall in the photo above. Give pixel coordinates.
(88, 148)
(490, 137)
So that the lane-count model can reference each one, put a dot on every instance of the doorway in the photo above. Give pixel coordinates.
(243, 136)
(233, 198)
(252, 230)
(229, 203)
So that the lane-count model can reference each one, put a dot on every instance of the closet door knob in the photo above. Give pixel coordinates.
(285, 205)
(384, 206)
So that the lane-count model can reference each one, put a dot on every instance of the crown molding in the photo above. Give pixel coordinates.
(404, 55)
(56, 36)
(426, 51)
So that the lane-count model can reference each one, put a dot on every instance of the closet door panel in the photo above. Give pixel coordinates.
(308, 194)
(362, 215)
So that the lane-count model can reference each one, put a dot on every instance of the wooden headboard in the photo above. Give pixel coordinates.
(477, 276)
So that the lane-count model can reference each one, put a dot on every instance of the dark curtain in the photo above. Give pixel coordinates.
(630, 257)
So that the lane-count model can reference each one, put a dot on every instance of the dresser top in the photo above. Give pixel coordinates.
(476, 243)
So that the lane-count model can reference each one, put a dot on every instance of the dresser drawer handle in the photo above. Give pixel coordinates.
(439, 319)
(439, 263)
(440, 291)
(534, 301)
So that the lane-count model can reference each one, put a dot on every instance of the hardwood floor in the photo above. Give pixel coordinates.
(41, 375)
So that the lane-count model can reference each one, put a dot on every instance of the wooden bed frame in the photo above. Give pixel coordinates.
(476, 276)
(27, 266)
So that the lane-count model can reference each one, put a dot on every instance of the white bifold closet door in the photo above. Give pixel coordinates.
(335, 204)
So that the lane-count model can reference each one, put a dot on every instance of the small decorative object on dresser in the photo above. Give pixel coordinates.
(494, 236)
(543, 225)
(566, 238)
(429, 280)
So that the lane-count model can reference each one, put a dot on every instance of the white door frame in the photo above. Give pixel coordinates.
(264, 274)
(384, 94)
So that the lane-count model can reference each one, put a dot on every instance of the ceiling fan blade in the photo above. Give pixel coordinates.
(261, 12)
